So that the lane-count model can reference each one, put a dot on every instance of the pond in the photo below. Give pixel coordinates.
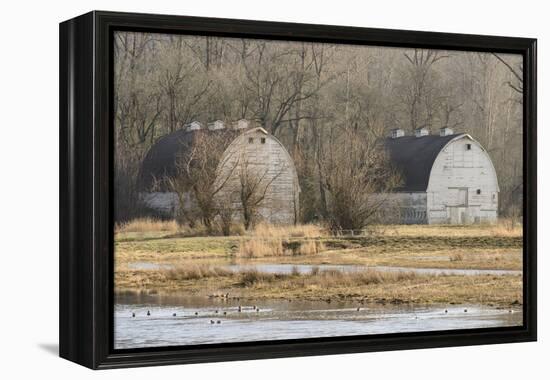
(204, 320)
(307, 268)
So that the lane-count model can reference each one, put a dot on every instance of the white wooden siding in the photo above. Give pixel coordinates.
(463, 186)
(271, 160)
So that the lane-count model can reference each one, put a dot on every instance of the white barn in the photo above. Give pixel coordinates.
(263, 154)
(446, 179)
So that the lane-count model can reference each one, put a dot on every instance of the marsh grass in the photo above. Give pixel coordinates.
(311, 247)
(294, 279)
(502, 228)
(369, 285)
(456, 257)
(196, 272)
(261, 248)
(145, 225)
(270, 231)
(325, 278)
(274, 247)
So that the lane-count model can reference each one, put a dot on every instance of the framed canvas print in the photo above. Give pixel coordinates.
(238, 189)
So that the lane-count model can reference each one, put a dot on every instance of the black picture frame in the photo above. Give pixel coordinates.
(86, 189)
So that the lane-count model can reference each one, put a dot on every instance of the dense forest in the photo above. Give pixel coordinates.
(313, 97)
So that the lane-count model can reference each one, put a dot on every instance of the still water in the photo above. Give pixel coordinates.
(196, 319)
(348, 268)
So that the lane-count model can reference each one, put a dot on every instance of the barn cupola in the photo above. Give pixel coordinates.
(241, 124)
(397, 133)
(215, 125)
(419, 132)
(445, 131)
(193, 126)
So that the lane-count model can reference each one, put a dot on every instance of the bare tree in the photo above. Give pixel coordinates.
(517, 73)
(197, 181)
(303, 93)
(354, 172)
(254, 183)
(418, 96)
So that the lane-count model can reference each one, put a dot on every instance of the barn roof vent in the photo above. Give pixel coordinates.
(215, 125)
(419, 132)
(397, 132)
(193, 126)
(446, 131)
(241, 124)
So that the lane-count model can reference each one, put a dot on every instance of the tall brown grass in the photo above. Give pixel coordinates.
(263, 230)
(311, 247)
(265, 247)
(253, 277)
(502, 228)
(147, 225)
(456, 257)
(261, 248)
(330, 278)
(197, 272)
(326, 278)
(507, 228)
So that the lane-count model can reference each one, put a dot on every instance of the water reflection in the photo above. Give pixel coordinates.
(196, 319)
(348, 268)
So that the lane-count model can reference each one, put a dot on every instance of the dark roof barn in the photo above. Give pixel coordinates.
(414, 157)
(160, 161)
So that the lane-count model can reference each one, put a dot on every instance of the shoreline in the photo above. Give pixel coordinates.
(390, 288)
(197, 265)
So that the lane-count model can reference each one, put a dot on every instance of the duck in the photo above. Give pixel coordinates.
(212, 322)
(225, 313)
(240, 308)
(148, 313)
(133, 315)
(174, 314)
(196, 313)
(218, 321)
(465, 310)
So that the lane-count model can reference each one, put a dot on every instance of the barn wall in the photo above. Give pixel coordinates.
(165, 203)
(269, 161)
(402, 208)
(457, 175)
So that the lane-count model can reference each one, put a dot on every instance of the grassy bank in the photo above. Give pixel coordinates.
(467, 247)
(196, 262)
(367, 286)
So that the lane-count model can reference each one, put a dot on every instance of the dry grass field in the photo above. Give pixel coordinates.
(185, 261)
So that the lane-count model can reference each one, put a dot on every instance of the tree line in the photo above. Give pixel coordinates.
(328, 104)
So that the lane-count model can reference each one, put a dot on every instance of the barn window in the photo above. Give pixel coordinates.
(478, 191)
(263, 140)
(468, 146)
(250, 140)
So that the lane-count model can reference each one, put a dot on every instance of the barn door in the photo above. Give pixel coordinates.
(462, 197)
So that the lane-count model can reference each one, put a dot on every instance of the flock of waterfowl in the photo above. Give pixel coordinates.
(240, 308)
